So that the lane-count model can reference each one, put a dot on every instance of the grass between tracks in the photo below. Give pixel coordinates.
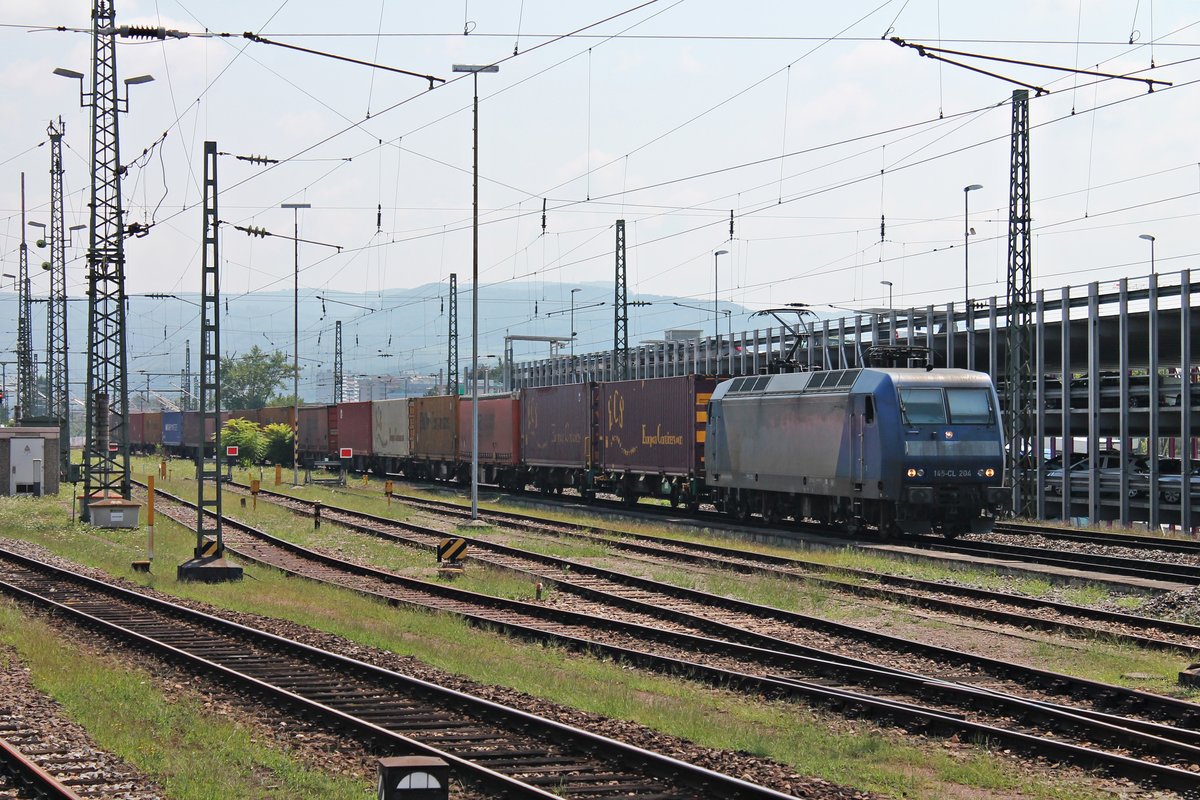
(853, 753)
(193, 753)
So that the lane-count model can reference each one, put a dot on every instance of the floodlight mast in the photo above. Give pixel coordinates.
(475, 69)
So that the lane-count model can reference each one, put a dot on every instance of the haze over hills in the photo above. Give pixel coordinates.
(392, 333)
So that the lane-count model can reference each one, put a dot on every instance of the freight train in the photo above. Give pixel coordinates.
(905, 450)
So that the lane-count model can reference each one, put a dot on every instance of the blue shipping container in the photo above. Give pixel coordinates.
(172, 428)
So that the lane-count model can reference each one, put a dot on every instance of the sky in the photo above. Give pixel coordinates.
(802, 119)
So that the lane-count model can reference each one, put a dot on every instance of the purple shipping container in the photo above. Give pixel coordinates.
(653, 426)
(354, 427)
(314, 430)
(556, 425)
(191, 429)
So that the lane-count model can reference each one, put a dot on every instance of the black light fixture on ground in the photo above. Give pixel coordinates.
(1149, 238)
(966, 241)
(296, 340)
(475, 69)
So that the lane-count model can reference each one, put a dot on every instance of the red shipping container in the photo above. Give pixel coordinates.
(556, 425)
(331, 427)
(151, 432)
(499, 429)
(314, 430)
(354, 427)
(137, 426)
(653, 426)
(433, 427)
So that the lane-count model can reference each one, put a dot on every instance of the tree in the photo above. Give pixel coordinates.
(250, 381)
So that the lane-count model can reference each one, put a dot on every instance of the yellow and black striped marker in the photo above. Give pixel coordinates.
(453, 550)
(208, 549)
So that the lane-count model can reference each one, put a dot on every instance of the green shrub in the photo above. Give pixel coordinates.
(277, 439)
(248, 437)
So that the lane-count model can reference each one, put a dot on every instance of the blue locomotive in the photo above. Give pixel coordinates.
(908, 450)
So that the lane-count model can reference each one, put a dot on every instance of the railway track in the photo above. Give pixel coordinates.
(1132, 566)
(502, 750)
(826, 678)
(22, 777)
(992, 606)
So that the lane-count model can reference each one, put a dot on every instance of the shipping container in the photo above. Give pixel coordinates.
(433, 427)
(556, 425)
(653, 426)
(499, 430)
(314, 431)
(331, 427)
(389, 428)
(276, 415)
(151, 432)
(191, 429)
(172, 428)
(354, 428)
(137, 428)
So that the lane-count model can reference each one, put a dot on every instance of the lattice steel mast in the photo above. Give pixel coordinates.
(208, 478)
(25, 389)
(452, 347)
(58, 400)
(106, 450)
(620, 311)
(338, 390)
(1022, 361)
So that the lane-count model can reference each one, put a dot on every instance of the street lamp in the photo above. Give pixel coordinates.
(716, 324)
(475, 69)
(889, 285)
(296, 340)
(966, 240)
(573, 291)
(1149, 238)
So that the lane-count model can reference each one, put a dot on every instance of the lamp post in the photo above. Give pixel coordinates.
(475, 69)
(716, 323)
(966, 241)
(295, 207)
(1149, 238)
(888, 284)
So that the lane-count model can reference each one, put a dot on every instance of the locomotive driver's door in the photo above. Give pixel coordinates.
(858, 433)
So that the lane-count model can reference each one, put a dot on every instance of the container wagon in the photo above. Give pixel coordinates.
(499, 440)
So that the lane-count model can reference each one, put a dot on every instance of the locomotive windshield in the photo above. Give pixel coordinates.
(923, 406)
(927, 406)
(970, 406)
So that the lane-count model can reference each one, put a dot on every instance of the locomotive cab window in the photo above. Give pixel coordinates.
(923, 406)
(970, 406)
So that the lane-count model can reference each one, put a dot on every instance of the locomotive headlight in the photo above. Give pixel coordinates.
(989, 473)
(912, 473)
(915, 473)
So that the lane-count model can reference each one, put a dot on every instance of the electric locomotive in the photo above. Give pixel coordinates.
(898, 449)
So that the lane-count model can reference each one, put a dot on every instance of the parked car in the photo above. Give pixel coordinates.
(1170, 479)
(1109, 465)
